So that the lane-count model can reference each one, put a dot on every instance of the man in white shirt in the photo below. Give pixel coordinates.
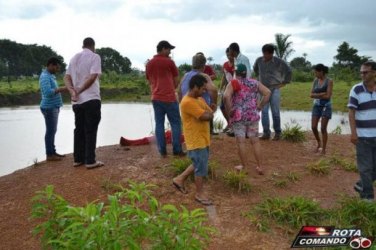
(82, 81)
(239, 58)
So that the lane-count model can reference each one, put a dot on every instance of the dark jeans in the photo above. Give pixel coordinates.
(366, 161)
(87, 117)
(51, 117)
(171, 109)
(274, 103)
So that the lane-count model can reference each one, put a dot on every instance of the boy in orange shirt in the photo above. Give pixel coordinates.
(196, 115)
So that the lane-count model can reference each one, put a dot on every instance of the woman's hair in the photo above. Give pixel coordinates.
(321, 68)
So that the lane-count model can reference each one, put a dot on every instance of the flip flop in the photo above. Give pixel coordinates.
(259, 171)
(204, 202)
(179, 188)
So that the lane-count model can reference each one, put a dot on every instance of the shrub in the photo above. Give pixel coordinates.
(131, 219)
(238, 180)
(337, 130)
(345, 164)
(212, 169)
(293, 133)
(179, 165)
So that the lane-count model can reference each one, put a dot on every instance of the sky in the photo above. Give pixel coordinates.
(134, 27)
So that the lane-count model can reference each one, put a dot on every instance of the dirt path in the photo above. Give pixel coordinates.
(79, 186)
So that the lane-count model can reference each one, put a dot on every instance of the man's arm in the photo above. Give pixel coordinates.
(354, 135)
(213, 92)
(206, 116)
(69, 85)
(266, 93)
(87, 83)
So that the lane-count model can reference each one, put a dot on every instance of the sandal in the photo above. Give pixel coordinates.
(204, 202)
(179, 188)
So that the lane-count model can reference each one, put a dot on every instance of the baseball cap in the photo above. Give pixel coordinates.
(164, 44)
(240, 68)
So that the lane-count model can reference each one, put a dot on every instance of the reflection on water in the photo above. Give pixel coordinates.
(22, 130)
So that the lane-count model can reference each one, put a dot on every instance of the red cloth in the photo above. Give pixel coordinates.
(235, 85)
(230, 69)
(147, 140)
(209, 70)
(161, 71)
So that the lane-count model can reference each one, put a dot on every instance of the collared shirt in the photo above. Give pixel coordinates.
(160, 72)
(81, 66)
(242, 59)
(48, 84)
(272, 73)
(364, 103)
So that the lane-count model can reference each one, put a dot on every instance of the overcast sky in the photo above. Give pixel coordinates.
(134, 27)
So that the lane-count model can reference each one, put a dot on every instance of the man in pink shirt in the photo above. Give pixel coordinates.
(162, 74)
(82, 81)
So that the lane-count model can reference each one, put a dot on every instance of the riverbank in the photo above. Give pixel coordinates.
(294, 96)
(80, 186)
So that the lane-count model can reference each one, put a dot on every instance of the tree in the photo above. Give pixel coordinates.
(112, 60)
(301, 63)
(283, 47)
(184, 68)
(347, 57)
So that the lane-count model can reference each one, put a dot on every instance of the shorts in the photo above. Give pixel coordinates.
(243, 129)
(322, 111)
(200, 158)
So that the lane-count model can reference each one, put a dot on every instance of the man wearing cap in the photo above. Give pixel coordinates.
(274, 73)
(162, 74)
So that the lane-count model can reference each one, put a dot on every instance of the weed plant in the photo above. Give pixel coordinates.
(131, 219)
(212, 169)
(179, 165)
(321, 167)
(345, 164)
(237, 180)
(293, 133)
(337, 130)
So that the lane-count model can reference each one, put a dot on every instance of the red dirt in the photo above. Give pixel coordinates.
(79, 186)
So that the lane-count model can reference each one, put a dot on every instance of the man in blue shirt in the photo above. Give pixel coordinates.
(362, 119)
(50, 105)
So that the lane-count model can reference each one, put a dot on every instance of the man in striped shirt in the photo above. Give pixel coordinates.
(362, 118)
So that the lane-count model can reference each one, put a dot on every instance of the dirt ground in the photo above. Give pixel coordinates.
(142, 163)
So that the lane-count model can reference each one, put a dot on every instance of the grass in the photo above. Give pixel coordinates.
(179, 165)
(320, 167)
(237, 180)
(343, 163)
(294, 96)
(281, 181)
(293, 133)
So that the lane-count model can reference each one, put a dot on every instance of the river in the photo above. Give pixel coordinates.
(22, 130)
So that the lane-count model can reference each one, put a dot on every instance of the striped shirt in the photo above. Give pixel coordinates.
(364, 102)
(48, 84)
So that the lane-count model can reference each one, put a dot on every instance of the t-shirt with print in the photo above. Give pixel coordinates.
(196, 132)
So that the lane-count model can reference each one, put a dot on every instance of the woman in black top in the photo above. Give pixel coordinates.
(322, 107)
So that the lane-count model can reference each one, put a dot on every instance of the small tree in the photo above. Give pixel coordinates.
(283, 46)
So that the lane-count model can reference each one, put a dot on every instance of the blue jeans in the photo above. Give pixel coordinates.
(171, 109)
(366, 162)
(51, 116)
(200, 158)
(274, 103)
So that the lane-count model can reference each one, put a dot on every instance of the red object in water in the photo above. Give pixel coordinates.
(147, 140)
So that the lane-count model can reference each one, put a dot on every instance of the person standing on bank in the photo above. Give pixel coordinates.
(362, 119)
(239, 58)
(50, 105)
(322, 108)
(82, 81)
(162, 74)
(196, 115)
(274, 73)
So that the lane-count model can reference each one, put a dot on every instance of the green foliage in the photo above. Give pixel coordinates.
(320, 167)
(301, 64)
(218, 125)
(184, 68)
(283, 47)
(293, 133)
(302, 76)
(337, 130)
(345, 164)
(179, 165)
(212, 169)
(112, 60)
(355, 213)
(347, 57)
(131, 219)
(237, 180)
(293, 212)
(293, 176)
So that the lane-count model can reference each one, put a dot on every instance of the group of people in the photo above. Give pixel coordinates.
(190, 103)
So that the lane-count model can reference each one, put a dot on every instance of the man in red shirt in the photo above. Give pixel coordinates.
(162, 74)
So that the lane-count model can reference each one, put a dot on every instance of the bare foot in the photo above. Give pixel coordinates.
(239, 167)
(259, 170)
(323, 151)
(318, 150)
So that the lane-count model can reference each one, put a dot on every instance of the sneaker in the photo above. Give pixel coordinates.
(53, 158)
(97, 164)
(265, 137)
(276, 137)
(358, 187)
(59, 155)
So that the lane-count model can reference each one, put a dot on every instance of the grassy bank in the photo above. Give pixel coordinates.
(295, 96)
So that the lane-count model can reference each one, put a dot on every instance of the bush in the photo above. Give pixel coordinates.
(321, 167)
(179, 165)
(131, 219)
(237, 180)
(293, 133)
